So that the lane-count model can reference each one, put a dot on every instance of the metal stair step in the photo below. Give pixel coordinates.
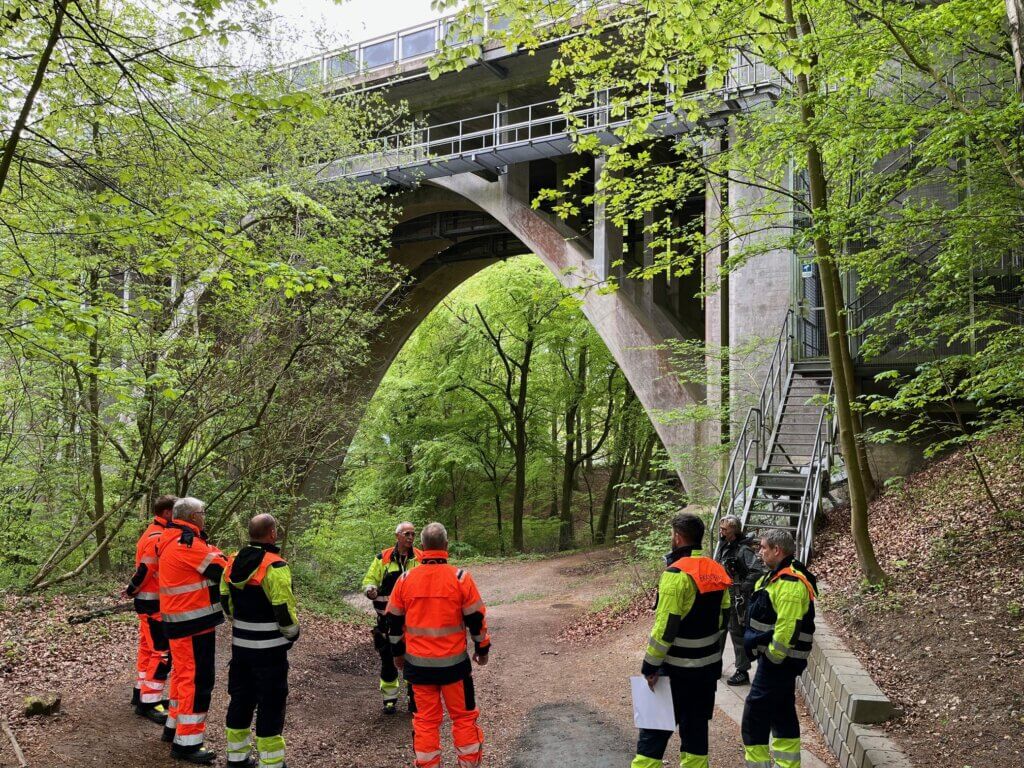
(794, 485)
(765, 526)
(778, 501)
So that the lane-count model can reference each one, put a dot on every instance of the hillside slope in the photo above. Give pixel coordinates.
(945, 640)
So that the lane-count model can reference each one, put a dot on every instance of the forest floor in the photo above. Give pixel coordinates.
(945, 639)
(549, 696)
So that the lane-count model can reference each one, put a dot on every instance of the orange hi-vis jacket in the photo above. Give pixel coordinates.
(430, 609)
(144, 586)
(189, 577)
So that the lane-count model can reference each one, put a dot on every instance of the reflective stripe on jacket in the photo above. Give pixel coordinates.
(144, 586)
(430, 610)
(189, 578)
(780, 622)
(690, 616)
(256, 591)
(384, 571)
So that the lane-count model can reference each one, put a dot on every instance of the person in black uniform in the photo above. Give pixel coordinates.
(257, 595)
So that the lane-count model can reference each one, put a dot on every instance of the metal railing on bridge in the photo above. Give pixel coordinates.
(540, 130)
(410, 46)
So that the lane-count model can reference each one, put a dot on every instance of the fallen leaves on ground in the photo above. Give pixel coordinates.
(945, 639)
(609, 618)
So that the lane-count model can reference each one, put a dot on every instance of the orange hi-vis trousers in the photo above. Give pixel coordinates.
(460, 701)
(191, 687)
(152, 661)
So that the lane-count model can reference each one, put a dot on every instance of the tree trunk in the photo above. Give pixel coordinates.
(610, 495)
(573, 450)
(867, 477)
(566, 534)
(519, 449)
(824, 255)
(11, 143)
(1015, 19)
(501, 533)
(95, 453)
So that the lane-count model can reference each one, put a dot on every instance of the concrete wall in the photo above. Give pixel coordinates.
(847, 705)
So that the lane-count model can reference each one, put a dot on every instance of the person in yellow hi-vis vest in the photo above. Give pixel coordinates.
(256, 592)
(779, 634)
(387, 567)
(691, 616)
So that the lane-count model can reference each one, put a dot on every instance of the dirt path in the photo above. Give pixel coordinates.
(543, 703)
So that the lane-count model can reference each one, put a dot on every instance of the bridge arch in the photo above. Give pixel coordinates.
(439, 261)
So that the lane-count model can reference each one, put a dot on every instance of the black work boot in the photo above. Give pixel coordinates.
(168, 734)
(390, 707)
(198, 755)
(135, 697)
(738, 678)
(153, 712)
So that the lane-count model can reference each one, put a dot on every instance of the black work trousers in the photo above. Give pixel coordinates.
(736, 631)
(693, 699)
(388, 670)
(771, 705)
(258, 687)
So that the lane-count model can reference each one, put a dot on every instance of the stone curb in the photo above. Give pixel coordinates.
(846, 704)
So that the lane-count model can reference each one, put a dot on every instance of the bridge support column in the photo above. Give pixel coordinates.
(515, 182)
(760, 292)
(607, 236)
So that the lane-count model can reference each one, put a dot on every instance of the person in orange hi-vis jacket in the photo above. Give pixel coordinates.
(190, 574)
(430, 609)
(153, 660)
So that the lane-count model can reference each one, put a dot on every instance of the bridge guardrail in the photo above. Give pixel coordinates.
(535, 123)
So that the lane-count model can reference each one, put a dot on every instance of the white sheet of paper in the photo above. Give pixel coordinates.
(653, 709)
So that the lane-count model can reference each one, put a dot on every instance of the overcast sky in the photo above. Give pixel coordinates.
(323, 23)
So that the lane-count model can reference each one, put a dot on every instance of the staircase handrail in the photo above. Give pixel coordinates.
(764, 416)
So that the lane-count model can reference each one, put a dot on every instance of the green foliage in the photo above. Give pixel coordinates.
(183, 299)
(436, 441)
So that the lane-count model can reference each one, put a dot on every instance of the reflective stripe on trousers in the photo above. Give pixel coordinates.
(238, 741)
(757, 756)
(389, 689)
(271, 751)
(786, 752)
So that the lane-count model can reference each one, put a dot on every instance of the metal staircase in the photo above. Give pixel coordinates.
(780, 468)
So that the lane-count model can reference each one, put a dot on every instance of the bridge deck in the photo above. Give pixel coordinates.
(503, 137)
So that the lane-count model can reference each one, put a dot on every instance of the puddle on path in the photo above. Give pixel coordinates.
(571, 736)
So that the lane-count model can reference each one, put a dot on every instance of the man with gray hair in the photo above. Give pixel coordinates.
(385, 569)
(430, 610)
(736, 554)
(189, 579)
(779, 634)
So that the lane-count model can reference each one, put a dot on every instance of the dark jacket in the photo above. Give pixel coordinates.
(740, 562)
